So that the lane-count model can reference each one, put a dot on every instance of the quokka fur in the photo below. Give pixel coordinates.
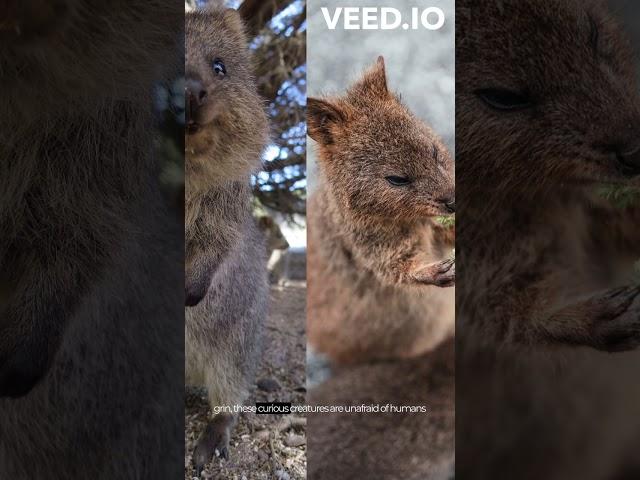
(376, 256)
(548, 318)
(386, 446)
(545, 163)
(226, 278)
(90, 258)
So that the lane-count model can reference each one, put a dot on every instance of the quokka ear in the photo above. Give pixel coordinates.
(233, 20)
(373, 82)
(322, 115)
(230, 17)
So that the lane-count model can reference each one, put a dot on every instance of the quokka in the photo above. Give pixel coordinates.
(226, 278)
(551, 181)
(90, 258)
(548, 318)
(377, 257)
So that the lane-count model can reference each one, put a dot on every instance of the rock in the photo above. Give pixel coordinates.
(268, 385)
(294, 440)
(282, 475)
(262, 456)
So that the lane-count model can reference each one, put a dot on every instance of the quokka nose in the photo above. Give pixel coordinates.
(629, 161)
(195, 95)
(450, 204)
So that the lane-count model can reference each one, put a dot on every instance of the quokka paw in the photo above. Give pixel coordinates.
(191, 299)
(440, 274)
(616, 326)
(214, 442)
(193, 294)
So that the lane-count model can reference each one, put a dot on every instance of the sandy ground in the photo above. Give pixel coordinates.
(264, 447)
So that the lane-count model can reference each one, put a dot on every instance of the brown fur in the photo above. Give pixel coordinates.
(90, 349)
(543, 176)
(232, 109)
(386, 446)
(226, 286)
(374, 251)
(546, 263)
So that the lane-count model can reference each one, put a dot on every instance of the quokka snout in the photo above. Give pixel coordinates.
(225, 271)
(376, 255)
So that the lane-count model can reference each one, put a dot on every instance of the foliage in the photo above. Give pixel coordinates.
(620, 196)
(278, 29)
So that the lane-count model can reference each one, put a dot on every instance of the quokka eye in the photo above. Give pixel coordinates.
(397, 181)
(219, 67)
(502, 99)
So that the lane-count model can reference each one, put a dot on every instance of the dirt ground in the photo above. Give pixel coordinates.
(264, 447)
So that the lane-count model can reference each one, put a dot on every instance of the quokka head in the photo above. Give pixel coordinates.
(545, 95)
(378, 158)
(226, 125)
(71, 55)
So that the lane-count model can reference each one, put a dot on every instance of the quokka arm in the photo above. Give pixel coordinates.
(216, 232)
(608, 321)
(406, 266)
(199, 271)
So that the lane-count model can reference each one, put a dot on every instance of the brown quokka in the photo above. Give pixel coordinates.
(565, 283)
(226, 281)
(376, 255)
(90, 259)
(546, 171)
(391, 445)
(547, 112)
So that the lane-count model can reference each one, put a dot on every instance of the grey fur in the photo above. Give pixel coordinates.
(223, 330)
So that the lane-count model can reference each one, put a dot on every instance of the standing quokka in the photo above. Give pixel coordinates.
(226, 279)
(376, 256)
(549, 318)
(90, 259)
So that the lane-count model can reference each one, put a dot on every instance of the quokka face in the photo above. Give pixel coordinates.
(379, 159)
(226, 124)
(556, 102)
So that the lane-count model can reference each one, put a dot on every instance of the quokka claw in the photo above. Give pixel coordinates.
(440, 274)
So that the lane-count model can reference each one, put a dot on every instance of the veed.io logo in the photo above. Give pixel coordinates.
(383, 18)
